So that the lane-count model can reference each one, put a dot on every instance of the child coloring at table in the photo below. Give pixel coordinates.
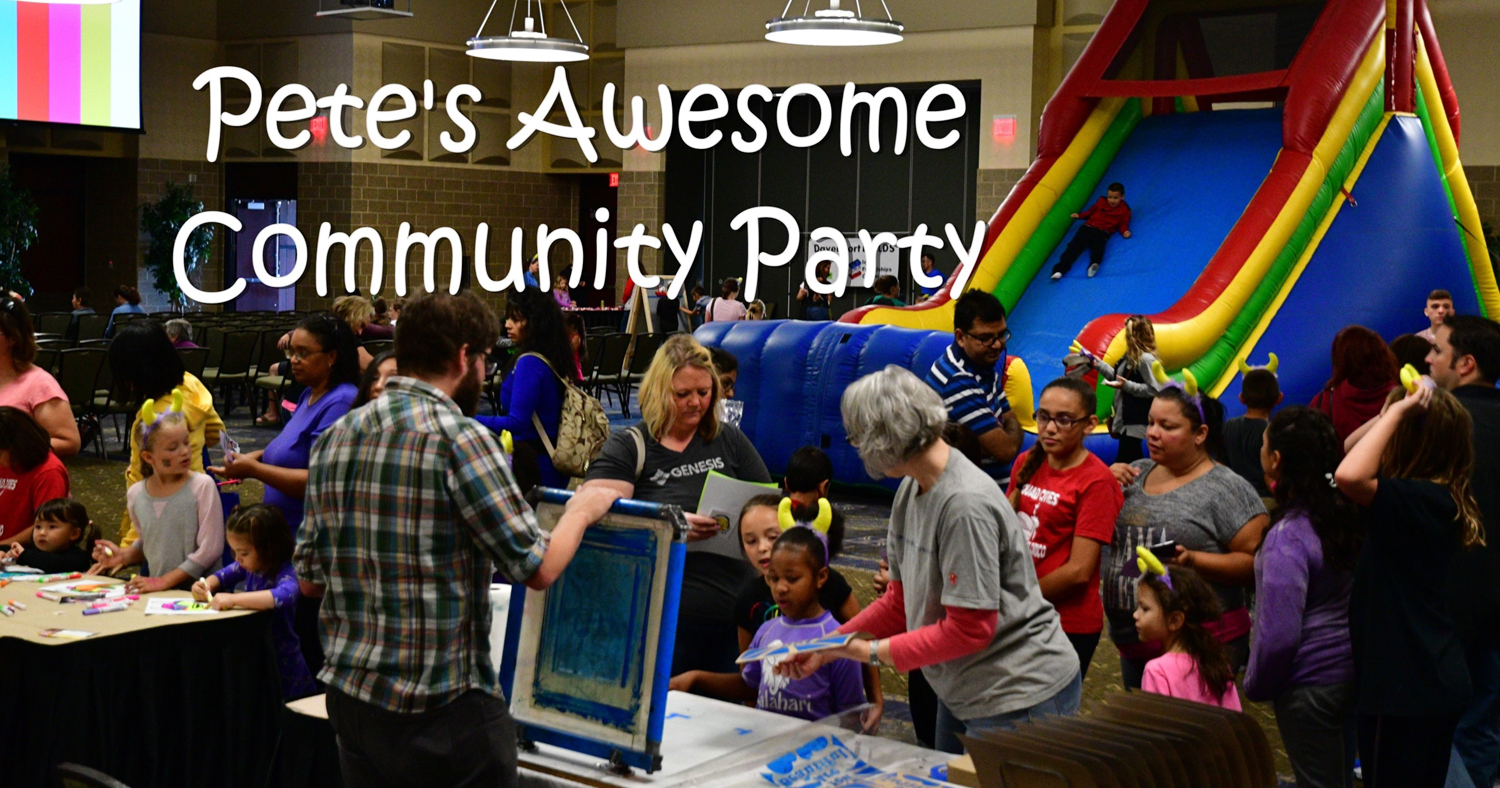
(797, 571)
(175, 509)
(62, 538)
(262, 570)
(1172, 605)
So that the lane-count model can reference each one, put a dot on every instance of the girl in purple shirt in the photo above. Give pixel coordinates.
(799, 568)
(1301, 657)
(262, 571)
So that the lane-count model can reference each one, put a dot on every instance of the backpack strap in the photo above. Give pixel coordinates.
(536, 420)
(640, 450)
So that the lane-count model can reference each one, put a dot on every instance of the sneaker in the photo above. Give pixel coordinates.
(1093, 269)
(1056, 275)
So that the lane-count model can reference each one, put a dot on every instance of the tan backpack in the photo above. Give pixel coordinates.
(581, 431)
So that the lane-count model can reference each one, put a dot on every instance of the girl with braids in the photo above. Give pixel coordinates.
(1191, 508)
(1173, 605)
(1300, 656)
(1410, 477)
(1068, 502)
(1132, 377)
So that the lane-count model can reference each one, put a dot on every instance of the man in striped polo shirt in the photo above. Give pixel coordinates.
(970, 377)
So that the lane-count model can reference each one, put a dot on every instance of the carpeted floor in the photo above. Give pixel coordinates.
(100, 485)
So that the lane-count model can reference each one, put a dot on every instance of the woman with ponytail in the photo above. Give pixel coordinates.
(1300, 657)
(1068, 502)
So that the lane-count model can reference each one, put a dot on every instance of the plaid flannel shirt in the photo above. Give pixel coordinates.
(408, 503)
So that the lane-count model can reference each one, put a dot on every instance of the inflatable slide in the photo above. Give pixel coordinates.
(1271, 207)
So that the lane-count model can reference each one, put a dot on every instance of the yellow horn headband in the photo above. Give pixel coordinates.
(1411, 378)
(1189, 382)
(820, 524)
(1149, 564)
(148, 415)
(1270, 366)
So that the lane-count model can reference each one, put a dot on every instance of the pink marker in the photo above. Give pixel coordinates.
(115, 608)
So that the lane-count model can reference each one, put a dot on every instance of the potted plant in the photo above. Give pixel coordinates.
(160, 221)
(17, 232)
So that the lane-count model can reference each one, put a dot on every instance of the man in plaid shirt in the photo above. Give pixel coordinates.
(410, 509)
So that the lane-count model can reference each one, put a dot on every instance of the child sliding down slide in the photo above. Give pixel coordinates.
(1109, 214)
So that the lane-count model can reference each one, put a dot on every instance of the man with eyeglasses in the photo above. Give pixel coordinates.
(970, 377)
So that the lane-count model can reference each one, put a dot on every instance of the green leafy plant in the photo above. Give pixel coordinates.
(17, 232)
(160, 221)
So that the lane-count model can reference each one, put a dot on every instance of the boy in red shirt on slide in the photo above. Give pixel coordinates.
(1109, 214)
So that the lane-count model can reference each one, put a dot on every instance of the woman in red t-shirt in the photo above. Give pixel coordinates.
(1069, 501)
(30, 475)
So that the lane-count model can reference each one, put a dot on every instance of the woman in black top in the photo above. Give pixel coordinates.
(1410, 474)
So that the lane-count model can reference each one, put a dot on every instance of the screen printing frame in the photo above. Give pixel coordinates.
(545, 709)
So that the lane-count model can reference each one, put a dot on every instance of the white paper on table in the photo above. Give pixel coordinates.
(178, 606)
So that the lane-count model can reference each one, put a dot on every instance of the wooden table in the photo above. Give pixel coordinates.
(150, 700)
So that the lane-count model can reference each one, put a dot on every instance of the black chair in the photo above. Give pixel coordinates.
(71, 775)
(640, 360)
(609, 372)
(234, 367)
(78, 373)
(592, 347)
(194, 359)
(52, 322)
(92, 326)
(46, 359)
(378, 346)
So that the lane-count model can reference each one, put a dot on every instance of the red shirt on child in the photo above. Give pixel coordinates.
(1101, 216)
(22, 493)
(1055, 507)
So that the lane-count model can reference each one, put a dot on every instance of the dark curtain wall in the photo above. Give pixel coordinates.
(819, 186)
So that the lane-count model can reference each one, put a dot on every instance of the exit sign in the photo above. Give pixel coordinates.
(614, 180)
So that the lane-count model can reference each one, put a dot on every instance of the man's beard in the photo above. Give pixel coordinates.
(466, 396)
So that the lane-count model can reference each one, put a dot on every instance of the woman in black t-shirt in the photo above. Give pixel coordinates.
(1410, 474)
(667, 459)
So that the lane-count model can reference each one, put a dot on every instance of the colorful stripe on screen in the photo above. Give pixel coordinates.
(65, 63)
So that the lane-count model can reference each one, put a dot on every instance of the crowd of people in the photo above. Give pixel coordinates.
(1330, 559)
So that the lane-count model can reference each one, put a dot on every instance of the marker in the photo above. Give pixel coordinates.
(18, 604)
(7, 610)
(109, 553)
(83, 598)
(115, 608)
(49, 595)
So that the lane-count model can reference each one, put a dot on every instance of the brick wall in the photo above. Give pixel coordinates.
(382, 196)
(642, 201)
(990, 190)
(152, 176)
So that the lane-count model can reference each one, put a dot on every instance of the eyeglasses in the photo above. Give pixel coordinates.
(302, 355)
(990, 339)
(1062, 420)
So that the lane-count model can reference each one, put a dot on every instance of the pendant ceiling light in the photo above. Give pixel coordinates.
(833, 27)
(528, 44)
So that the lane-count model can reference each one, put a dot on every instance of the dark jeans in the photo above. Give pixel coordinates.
(309, 632)
(1132, 670)
(1084, 645)
(469, 742)
(923, 704)
(1090, 238)
(1063, 704)
(1477, 738)
(1405, 752)
(1317, 726)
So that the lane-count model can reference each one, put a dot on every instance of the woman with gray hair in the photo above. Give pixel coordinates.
(958, 556)
(181, 333)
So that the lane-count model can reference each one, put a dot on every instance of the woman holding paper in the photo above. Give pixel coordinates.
(667, 459)
(958, 556)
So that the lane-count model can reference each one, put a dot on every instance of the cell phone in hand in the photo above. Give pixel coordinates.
(1165, 551)
(229, 446)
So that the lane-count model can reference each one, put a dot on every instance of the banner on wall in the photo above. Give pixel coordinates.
(861, 273)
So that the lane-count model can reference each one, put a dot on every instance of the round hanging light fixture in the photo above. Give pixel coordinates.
(834, 27)
(528, 44)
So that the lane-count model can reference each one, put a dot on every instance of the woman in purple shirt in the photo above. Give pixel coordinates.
(532, 394)
(1301, 657)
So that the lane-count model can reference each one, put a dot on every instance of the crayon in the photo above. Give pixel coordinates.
(114, 608)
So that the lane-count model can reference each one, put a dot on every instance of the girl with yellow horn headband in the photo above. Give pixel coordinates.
(175, 509)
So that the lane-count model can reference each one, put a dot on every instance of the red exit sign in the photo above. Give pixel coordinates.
(614, 180)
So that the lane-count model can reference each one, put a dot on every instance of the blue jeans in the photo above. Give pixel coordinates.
(1063, 704)
(1477, 740)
